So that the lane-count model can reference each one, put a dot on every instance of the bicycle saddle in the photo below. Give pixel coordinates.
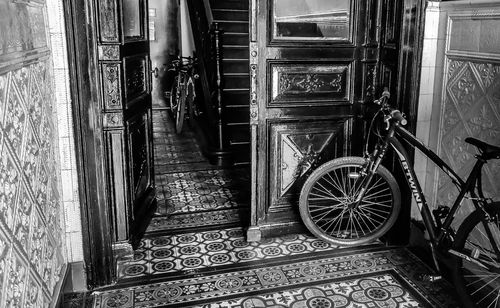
(488, 151)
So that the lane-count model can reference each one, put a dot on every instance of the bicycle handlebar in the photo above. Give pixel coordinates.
(398, 116)
(394, 114)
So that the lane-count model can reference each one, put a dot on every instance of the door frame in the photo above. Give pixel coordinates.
(82, 57)
(100, 251)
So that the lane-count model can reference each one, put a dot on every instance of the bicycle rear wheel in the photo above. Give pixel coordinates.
(477, 286)
(328, 204)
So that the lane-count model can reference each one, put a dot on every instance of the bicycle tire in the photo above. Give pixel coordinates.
(181, 110)
(174, 97)
(380, 209)
(470, 241)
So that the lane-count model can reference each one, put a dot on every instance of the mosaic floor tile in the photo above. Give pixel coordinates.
(187, 192)
(191, 220)
(194, 251)
(381, 278)
(172, 149)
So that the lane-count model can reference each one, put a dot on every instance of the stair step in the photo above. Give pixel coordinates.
(224, 14)
(239, 114)
(236, 97)
(240, 153)
(235, 38)
(233, 26)
(235, 52)
(239, 132)
(230, 66)
(228, 4)
(236, 81)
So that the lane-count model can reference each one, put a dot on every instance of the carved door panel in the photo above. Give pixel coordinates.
(123, 52)
(313, 64)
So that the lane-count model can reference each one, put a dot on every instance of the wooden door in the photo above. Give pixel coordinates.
(313, 64)
(124, 64)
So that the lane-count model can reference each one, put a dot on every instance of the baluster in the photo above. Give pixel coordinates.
(217, 40)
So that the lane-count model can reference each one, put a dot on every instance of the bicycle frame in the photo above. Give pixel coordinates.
(394, 134)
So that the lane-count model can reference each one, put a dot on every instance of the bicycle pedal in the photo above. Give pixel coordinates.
(429, 277)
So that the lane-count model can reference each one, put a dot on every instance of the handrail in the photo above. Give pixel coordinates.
(208, 37)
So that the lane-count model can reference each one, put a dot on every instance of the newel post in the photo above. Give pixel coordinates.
(221, 153)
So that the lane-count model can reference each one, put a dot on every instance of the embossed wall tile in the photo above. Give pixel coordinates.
(21, 80)
(33, 291)
(9, 180)
(464, 89)
(4, 80)
(450, 116)
(22, 221)
(15, 282)
(40, 187)
(38, 239)
(15, 121)
(35, 105)
(470, 109)
(31, 158)
(4, 254)
(30, 209)
(37, 20)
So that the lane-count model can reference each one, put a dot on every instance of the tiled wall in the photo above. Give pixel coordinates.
(32, 239)
(70, 199)
(460, 93)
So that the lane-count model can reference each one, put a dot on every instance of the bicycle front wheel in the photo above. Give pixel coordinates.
(330, 210)
(174, 97)
(478, 238)
(181, 110)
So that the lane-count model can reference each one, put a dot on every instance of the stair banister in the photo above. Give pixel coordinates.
(207, 37)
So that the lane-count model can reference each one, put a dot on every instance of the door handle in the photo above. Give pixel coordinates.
(155, 72)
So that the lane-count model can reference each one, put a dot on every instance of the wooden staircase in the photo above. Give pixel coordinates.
(232, 17)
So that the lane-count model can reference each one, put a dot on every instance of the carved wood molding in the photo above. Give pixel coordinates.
(296, 148)
(295, 84)
(109, 52)
(111, 86)
(254, 107)
(108, 21)
(113, 120)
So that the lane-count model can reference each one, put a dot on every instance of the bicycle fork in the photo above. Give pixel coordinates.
(368, 172)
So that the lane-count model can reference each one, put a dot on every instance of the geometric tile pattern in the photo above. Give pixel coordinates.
(195, 191)
(183, 221)
(382, 277)
(175, 152)
(471, 108)
(208, 249)
(190, 191)
(382, 290)
(31, 230)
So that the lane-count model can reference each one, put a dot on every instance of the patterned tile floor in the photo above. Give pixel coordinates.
(366, 277)
(195, 254)
(191, 252)
(190, 191)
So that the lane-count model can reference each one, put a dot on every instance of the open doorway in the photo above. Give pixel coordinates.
(191, 191)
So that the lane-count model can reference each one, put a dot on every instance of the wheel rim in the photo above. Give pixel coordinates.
(334, 210)
(483, 285)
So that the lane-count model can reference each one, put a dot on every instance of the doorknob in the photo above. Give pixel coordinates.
(155, 72)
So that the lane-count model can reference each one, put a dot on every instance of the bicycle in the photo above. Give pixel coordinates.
(355, 200)
(182, 91)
